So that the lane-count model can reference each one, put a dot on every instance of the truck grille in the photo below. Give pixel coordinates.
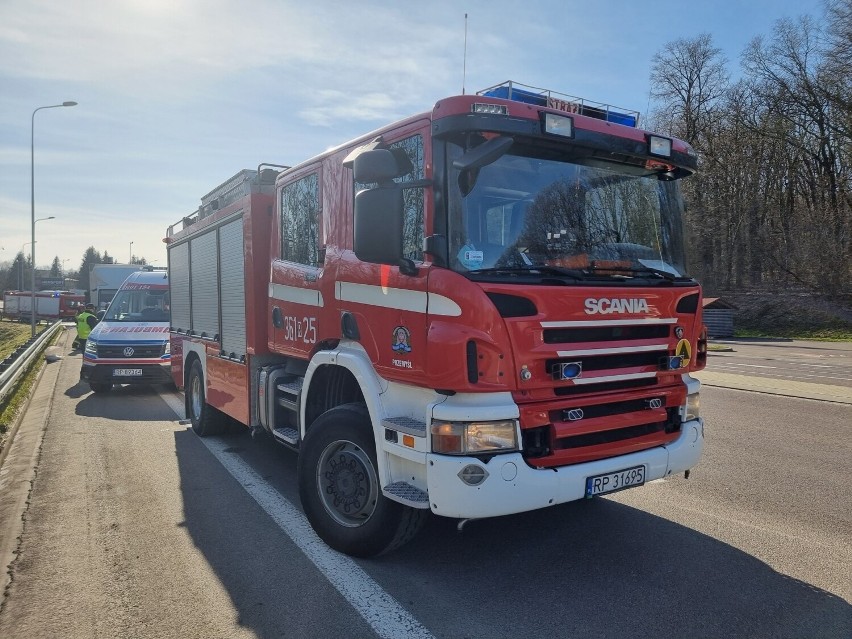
(609, 361)
(611, 391)
(605, 333)
(585, 431)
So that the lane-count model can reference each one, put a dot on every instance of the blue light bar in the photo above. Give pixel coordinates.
(571, 104)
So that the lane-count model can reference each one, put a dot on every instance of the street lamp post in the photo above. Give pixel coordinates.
(32, 205)
(130, 258)
(32, 271)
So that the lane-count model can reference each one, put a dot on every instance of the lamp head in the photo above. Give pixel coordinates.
(69, 103)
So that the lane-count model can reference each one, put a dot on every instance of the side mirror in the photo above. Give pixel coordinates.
(379, 224)
(375, 166)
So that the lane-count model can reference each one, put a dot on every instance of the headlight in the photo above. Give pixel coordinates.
(91, 347)
(691, 409)
(168, 349)
(470, 438)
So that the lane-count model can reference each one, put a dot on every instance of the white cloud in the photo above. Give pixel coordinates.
(177, 95)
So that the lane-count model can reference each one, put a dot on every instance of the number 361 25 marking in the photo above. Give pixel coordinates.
(300, 329)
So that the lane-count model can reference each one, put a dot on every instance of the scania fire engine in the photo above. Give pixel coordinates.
(480, 310)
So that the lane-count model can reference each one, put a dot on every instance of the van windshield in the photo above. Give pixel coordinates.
(139, 305)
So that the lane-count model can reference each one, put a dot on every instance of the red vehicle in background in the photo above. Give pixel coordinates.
(477, 311)
(50, 305)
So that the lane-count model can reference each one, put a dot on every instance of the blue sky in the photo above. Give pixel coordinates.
(175, 96)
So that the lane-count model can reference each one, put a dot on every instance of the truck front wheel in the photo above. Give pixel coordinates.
(205, 419)
(340, 490)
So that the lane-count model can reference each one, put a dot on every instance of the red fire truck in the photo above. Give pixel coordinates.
(480, 310)
(50, 305)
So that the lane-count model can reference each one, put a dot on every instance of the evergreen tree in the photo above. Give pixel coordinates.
(90, 258)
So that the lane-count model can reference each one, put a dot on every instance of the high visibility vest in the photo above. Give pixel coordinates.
(83, 328)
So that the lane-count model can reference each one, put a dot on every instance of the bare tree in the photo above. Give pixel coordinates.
(791, 79)
(689, 79)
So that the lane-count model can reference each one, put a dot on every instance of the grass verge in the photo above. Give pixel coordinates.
(16, 400)
(12, 335)
(823, 334)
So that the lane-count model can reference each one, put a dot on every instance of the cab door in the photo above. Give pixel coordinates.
(390, 306)
(299, 312)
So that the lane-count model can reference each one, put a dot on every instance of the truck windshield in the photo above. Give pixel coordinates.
(576, 215)
(139, 305)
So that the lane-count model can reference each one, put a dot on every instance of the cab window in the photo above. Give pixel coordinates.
(300, 221)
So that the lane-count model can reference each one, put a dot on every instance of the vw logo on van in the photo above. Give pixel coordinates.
(128, 352)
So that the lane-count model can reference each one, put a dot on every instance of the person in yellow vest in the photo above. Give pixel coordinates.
(86, 321)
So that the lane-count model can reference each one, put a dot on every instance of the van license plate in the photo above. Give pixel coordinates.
(611, 482)
(127, 372)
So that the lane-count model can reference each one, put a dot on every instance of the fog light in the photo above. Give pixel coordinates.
(558, 125)
(659, 146)
(473, 475)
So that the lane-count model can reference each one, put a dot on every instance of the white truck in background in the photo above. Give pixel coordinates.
(106, 279)
(50, 305)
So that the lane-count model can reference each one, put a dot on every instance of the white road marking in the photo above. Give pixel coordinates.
(385, 615)
(755, 365)
(735, 368)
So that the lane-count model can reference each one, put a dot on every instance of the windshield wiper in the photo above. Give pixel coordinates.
(637, 270)
(531, 269)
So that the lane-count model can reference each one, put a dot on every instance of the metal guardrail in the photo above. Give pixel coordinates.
(18, 363)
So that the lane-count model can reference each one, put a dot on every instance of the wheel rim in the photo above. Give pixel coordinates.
(347, 483)
(195, 397)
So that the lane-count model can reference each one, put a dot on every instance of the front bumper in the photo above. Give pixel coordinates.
(512, 486)
(158, 373)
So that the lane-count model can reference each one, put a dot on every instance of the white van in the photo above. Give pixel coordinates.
(130, 345)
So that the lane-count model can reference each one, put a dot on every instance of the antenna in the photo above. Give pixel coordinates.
(464, 63)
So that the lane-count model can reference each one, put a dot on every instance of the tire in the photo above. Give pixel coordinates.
(205, 419)
(340, 490)
(101, 387)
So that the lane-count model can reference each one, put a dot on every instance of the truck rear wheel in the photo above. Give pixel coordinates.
(205, 419)
(340, 490)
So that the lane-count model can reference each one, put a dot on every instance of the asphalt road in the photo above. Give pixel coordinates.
(135, 527)
(827, 363)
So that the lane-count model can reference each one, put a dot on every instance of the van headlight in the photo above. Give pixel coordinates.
(691, 410)
(91, 347)
(471, 438)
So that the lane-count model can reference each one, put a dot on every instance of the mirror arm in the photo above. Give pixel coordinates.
(407, 267)
(416, 184)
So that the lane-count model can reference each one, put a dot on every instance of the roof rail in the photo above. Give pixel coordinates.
(243, 183)
(517, 92)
